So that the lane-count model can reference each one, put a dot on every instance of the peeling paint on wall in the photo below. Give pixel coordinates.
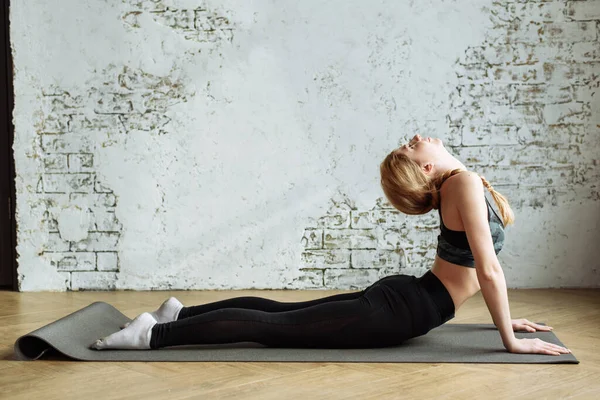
(78, 210)
(198, 24)
(188, 144)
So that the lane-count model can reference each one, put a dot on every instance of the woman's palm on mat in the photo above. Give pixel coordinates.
(536, 346)
(526, 325)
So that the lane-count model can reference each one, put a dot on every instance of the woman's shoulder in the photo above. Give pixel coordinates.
(460, 184)
(463, 180)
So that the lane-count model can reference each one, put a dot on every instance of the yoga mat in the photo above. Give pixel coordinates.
(449, 343)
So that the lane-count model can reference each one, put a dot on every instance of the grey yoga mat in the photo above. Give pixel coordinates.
(452, 343)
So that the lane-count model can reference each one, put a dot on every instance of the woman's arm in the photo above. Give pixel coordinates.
(493, 288)
(468, 192)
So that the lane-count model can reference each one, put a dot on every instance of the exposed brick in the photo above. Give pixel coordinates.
(523, 54)
(63, 104)
(67, 144)
(308, 279)
(55, 243)
(475, 155)
(83, 125)
(475, 94)
(376, 259)
(548, 135)
(532, 32)
(338, 221)
(100, 200)
(116, 103)
(64, 183)
(529, 155)
(105, 221)
(97, 241)
(93, 280)
(537, 197)
(322, 259)
(517, 74)
(508, 53)
(312, 238)
(417, 237)
(48, 223)
(211, 27)
(575, 74)
(137, 80)
(453, 138)
(497, 54)
(429, 220)
(157, 101)
(462, 115)
(473, 55)
(378, 218)
(587, 94)
(174, 18)
(107, 261)
(568, 113)
(67, 278)
(55, 124)
(546, 176)
(498, 175)
(350, 239)
(53, 200)
(144, 122)
(585, 52)
(516, 115)
(82, 162)
(55, 162)
(539, 12)
(99, 187)
(489, 135)
(471, 73)
(584, 10)
(70, 261)
(543, 94)
(382, 202)
(422, 257)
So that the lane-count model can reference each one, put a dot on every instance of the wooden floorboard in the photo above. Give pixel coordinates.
(574, 314)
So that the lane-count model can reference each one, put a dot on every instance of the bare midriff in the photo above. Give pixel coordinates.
(461, 282)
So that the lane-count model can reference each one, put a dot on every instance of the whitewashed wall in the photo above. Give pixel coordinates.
(231, 144)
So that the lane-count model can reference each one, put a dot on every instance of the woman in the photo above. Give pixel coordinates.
(414, 178)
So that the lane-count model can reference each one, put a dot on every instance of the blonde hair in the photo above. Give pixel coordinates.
(411, 191)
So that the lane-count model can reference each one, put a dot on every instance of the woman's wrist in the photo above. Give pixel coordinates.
(508, 343)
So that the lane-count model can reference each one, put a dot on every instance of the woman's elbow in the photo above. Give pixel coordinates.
(489, 272)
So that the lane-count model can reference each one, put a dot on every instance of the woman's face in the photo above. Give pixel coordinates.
(423, 150)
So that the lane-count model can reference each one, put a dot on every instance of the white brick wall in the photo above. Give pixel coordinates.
(237, 145)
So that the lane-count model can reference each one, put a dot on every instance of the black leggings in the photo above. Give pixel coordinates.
(388, 312)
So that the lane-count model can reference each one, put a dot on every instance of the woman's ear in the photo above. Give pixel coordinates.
(427, 168)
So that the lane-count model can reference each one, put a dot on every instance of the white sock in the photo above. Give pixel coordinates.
(136, 336)
(167, 312)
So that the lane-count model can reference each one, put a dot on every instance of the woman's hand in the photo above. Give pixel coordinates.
(528, 326)
(536, 346)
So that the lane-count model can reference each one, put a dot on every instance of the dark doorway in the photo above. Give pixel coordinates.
(8, 236)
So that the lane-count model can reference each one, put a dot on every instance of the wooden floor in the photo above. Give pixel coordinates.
(574, 314)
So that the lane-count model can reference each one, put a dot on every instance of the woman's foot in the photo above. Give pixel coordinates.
(167, 312)
(135, 337)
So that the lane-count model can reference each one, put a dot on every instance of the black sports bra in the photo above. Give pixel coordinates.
(453, 246)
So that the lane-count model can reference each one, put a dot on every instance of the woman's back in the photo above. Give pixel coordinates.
(454, 263)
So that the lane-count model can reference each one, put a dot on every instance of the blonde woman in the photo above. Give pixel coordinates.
(416, 178)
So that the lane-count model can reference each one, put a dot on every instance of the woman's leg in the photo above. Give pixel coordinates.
(375, 318)
(379, 316)
(261, 304)
(173, 310)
